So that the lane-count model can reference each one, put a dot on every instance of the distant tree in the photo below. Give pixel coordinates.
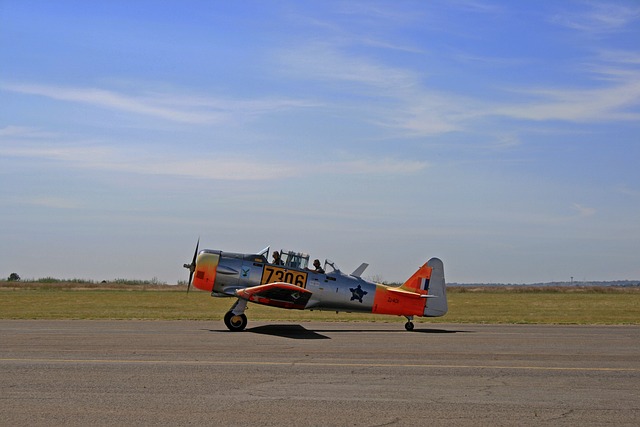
(13, 277)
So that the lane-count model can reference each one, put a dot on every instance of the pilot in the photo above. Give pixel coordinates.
(276, 258)
(317, 268)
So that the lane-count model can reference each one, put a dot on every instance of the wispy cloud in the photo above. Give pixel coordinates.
(583, 211)
(52, 202)
(24, 132)
(599, 18)
(323, 62)
(476, 6)
(82, 153)
(578, 106)
(402, 101)
(110, 158)
(385, 166)
(398, 97)
(168, 106)
(613, 102)
(623, 189)
(221, 166)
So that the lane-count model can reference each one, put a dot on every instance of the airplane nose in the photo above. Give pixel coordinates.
(205, 271)
(192, 267)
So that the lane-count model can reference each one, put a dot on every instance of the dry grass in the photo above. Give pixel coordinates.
(546, 289)
(84, 286)
(541, 305)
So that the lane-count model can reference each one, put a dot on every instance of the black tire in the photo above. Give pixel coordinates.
(408, 326)
(235, 323)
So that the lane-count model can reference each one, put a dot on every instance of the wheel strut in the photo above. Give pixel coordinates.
(409, 325)
(235, 319)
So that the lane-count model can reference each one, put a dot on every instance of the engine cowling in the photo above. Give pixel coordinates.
(206, 268)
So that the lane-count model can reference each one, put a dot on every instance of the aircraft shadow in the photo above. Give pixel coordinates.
(297, 332)
(301, 333)
(439, 331)
(400, 330)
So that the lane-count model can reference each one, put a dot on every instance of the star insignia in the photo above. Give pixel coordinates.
(357, 293)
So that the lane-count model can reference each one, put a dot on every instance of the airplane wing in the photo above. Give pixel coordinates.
(278, 294)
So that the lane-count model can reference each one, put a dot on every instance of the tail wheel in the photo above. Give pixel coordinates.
(408, 326)
(235, 322)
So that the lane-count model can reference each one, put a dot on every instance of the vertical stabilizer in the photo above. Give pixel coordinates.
(436, 306)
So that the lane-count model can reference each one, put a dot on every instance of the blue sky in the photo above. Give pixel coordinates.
(500, 136)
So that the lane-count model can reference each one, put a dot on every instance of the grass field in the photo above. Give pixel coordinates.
(606, 306)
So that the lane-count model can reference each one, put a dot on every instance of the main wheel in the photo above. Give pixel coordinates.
(235, 323)
(408, 326)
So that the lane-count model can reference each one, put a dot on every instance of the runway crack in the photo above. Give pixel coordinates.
(562, 416)
(396, 420)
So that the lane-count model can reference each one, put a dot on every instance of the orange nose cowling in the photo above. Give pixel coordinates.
(205, 274)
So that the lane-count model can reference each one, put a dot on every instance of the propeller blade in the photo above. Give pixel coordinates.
(192, 266)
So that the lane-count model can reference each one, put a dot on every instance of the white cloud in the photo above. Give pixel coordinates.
(226, 169)
(101, 157)
(584, 211)
(167, 106)
(577, 105)
(214, 166)
(71, 153)
(601, 17)
(320, 61)
(23, 132)
(53, 202)
(385, 166)
(623, 189)
(398, 99)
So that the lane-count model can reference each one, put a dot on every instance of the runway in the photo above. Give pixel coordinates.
(357, 374)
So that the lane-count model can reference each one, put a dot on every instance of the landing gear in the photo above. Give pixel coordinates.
(235, 318)
(235, 323)
(409, 325)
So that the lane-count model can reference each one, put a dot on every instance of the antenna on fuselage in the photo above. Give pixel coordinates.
(330, 264)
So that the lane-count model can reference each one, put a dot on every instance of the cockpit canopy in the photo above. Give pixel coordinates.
(299, 260)
(293, 259)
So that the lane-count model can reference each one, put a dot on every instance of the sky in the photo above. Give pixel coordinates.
(502, 137)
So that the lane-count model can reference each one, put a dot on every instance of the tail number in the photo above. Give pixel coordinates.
(273, 274)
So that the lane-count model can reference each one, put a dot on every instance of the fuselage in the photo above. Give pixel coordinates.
(229, 272)
(251, 277)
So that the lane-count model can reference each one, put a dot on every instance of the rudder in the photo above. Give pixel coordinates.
(436, 307)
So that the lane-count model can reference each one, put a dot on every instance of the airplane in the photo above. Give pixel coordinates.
(290, 284)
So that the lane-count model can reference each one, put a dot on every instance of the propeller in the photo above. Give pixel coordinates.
(192, 266)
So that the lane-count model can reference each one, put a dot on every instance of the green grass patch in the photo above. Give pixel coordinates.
(579, 308)
(486, 305)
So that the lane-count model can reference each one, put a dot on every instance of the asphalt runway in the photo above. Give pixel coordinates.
(357, 374)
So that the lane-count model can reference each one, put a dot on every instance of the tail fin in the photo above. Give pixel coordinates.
(420, 281)
(429, 281)
(436, 306)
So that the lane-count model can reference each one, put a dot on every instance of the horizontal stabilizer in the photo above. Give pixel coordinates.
(358, 271)
(409, 294)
